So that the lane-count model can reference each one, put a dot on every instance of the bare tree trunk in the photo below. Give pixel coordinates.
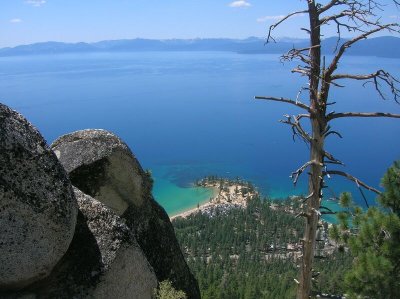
(353, 16)
(312, 216)
(317, 117)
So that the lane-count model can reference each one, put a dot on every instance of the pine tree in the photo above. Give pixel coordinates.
(374, 241)
(376, 247)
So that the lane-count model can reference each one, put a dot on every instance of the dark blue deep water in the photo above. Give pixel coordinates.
(187, 115)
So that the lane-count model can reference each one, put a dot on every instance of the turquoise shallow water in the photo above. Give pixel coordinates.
(176, 199)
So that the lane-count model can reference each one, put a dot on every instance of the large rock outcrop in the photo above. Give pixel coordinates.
(102, 166)
(103, 261)
(38, 209)
(104, 238)
(125, 271)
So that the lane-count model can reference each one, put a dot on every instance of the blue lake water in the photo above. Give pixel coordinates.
(190, 114)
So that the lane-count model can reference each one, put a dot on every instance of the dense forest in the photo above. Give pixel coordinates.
(252, 252)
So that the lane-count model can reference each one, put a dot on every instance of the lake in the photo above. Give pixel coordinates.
(186, 115)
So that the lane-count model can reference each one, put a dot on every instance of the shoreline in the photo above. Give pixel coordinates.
(187, 213)
(225, 193)
(202, 204)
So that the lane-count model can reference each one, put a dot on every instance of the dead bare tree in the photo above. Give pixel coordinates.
(359, 17)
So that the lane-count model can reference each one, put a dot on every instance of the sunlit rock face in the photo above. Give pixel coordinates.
(100, 164)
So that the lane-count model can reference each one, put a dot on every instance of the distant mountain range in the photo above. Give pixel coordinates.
(379, 46)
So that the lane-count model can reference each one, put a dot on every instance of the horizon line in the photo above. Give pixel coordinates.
(177, 38)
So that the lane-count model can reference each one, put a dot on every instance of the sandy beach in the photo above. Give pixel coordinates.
(225, 192)
(185, 214)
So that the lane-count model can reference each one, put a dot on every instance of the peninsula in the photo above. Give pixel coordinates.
(228, 194)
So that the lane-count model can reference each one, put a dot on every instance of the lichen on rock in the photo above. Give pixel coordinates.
(38, 209)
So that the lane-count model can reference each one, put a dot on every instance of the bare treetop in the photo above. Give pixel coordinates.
(360, 19)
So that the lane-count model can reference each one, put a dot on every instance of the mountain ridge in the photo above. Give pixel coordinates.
(385, 46)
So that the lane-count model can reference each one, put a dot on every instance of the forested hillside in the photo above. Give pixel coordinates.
(252, 252)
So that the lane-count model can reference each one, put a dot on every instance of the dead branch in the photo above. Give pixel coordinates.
(300, 92)
(296, 174)
(307, 197)
(379, 75)
(336, 17)
(298, 54)
(297, 128)
(300, 116)
(328, 213)
(332, 67)
(363, 196)
(352, 178)
(328, 6)
(328, 132)
(302, 71)
(333, 133)
(289, 101)
(273, 26)
(334, 196)
(358, 16)
(328, 210)
(332, 159)
(362, 114)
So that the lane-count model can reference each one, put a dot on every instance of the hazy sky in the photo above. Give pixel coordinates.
(29, 21)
